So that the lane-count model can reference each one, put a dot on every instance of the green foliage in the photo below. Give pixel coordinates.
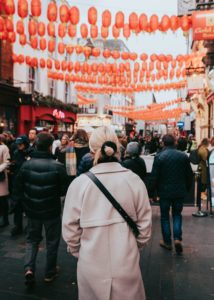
(48, 101)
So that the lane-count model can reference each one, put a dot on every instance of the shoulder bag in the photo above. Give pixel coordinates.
(114, 202)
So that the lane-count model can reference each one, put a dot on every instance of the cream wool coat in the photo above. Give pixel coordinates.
(4, 156)
(107, 250)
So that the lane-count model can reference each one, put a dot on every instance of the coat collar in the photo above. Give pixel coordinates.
(112, 167)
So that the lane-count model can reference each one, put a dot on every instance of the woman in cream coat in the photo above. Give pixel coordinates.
(4, 192)
(106, 248)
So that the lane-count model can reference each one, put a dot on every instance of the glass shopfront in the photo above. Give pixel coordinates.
(8, 119)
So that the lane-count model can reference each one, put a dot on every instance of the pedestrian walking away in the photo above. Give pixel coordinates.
(172, 178)
(39, 185)
(95, 232)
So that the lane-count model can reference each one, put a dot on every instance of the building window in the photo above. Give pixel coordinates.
(34, 83)
(51, 88)
(32, 79)
(67, 92)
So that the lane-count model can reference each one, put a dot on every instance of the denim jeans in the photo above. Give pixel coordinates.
(177, 207)
(34, 237)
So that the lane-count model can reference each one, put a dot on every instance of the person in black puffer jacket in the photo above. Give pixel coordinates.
(172, 178)
(133, 161)
(39, 184)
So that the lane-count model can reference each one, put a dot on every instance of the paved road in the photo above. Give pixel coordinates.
(166, 276)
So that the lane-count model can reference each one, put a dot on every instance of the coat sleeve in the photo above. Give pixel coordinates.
(144, 216)
(63, 179)
(5, 157)
(71, 230)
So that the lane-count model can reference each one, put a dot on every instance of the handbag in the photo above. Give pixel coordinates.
(2, 176)
(114, 202)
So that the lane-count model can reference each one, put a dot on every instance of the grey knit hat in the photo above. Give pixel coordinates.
(133, 149)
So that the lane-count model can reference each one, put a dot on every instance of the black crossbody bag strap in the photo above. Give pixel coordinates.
(114, 202)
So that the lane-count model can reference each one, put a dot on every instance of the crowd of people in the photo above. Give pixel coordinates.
(40, 170)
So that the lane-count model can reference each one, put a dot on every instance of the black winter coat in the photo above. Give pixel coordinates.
(136, 165)
(39, 184)
(172, 174)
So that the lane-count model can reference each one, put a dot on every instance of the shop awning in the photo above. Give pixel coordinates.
(68, 120)
(46, 117)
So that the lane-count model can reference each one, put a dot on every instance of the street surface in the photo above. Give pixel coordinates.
(166, 275)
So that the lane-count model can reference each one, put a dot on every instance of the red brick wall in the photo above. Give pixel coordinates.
(6, 64)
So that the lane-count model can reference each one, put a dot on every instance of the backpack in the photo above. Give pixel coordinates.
(194, 157)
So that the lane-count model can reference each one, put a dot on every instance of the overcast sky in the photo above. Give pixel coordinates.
(166, 43)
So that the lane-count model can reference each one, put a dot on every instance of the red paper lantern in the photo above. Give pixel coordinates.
(19, 27)
(174, 23)
(92, 16)
(64, 65)
(32, 27)
(61, 48)
(72, 31)
(22, 39)
(106, 18)
(143, 56)
(133, 21)
(57, 64)
(161, 57)
(34, 42)
(126, 31)
(79, 50)
(119, 19)
(143, 22)
(49, 63)
(42, 44)
(74, 15)
(22, 8)
(185, 23)
(28, 60)
(11, 37)
(41, 29)
(165, 23)
(168, 57)
(20, 59)
(64, 13)
(2, 24)
(70, 66)
(77, 67)
(69, 49)
(115, 54)
(104, 32)
(9, 7)
(96, 52)
(125, 55)
(133, 55)
(51, 46)
(87, 51)
(51, 29)
(93, 31)
(106, 53)
(34, 62)
(61, 30)
(36, 8)
(14, 58)
(115, 32)
(84, 31)
(4, 35)
(42, 63)
(9, 25)
(52, 12)
(154, 23)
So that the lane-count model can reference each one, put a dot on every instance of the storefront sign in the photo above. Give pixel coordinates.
(58, 114)
(210, 97)
(203, 25)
